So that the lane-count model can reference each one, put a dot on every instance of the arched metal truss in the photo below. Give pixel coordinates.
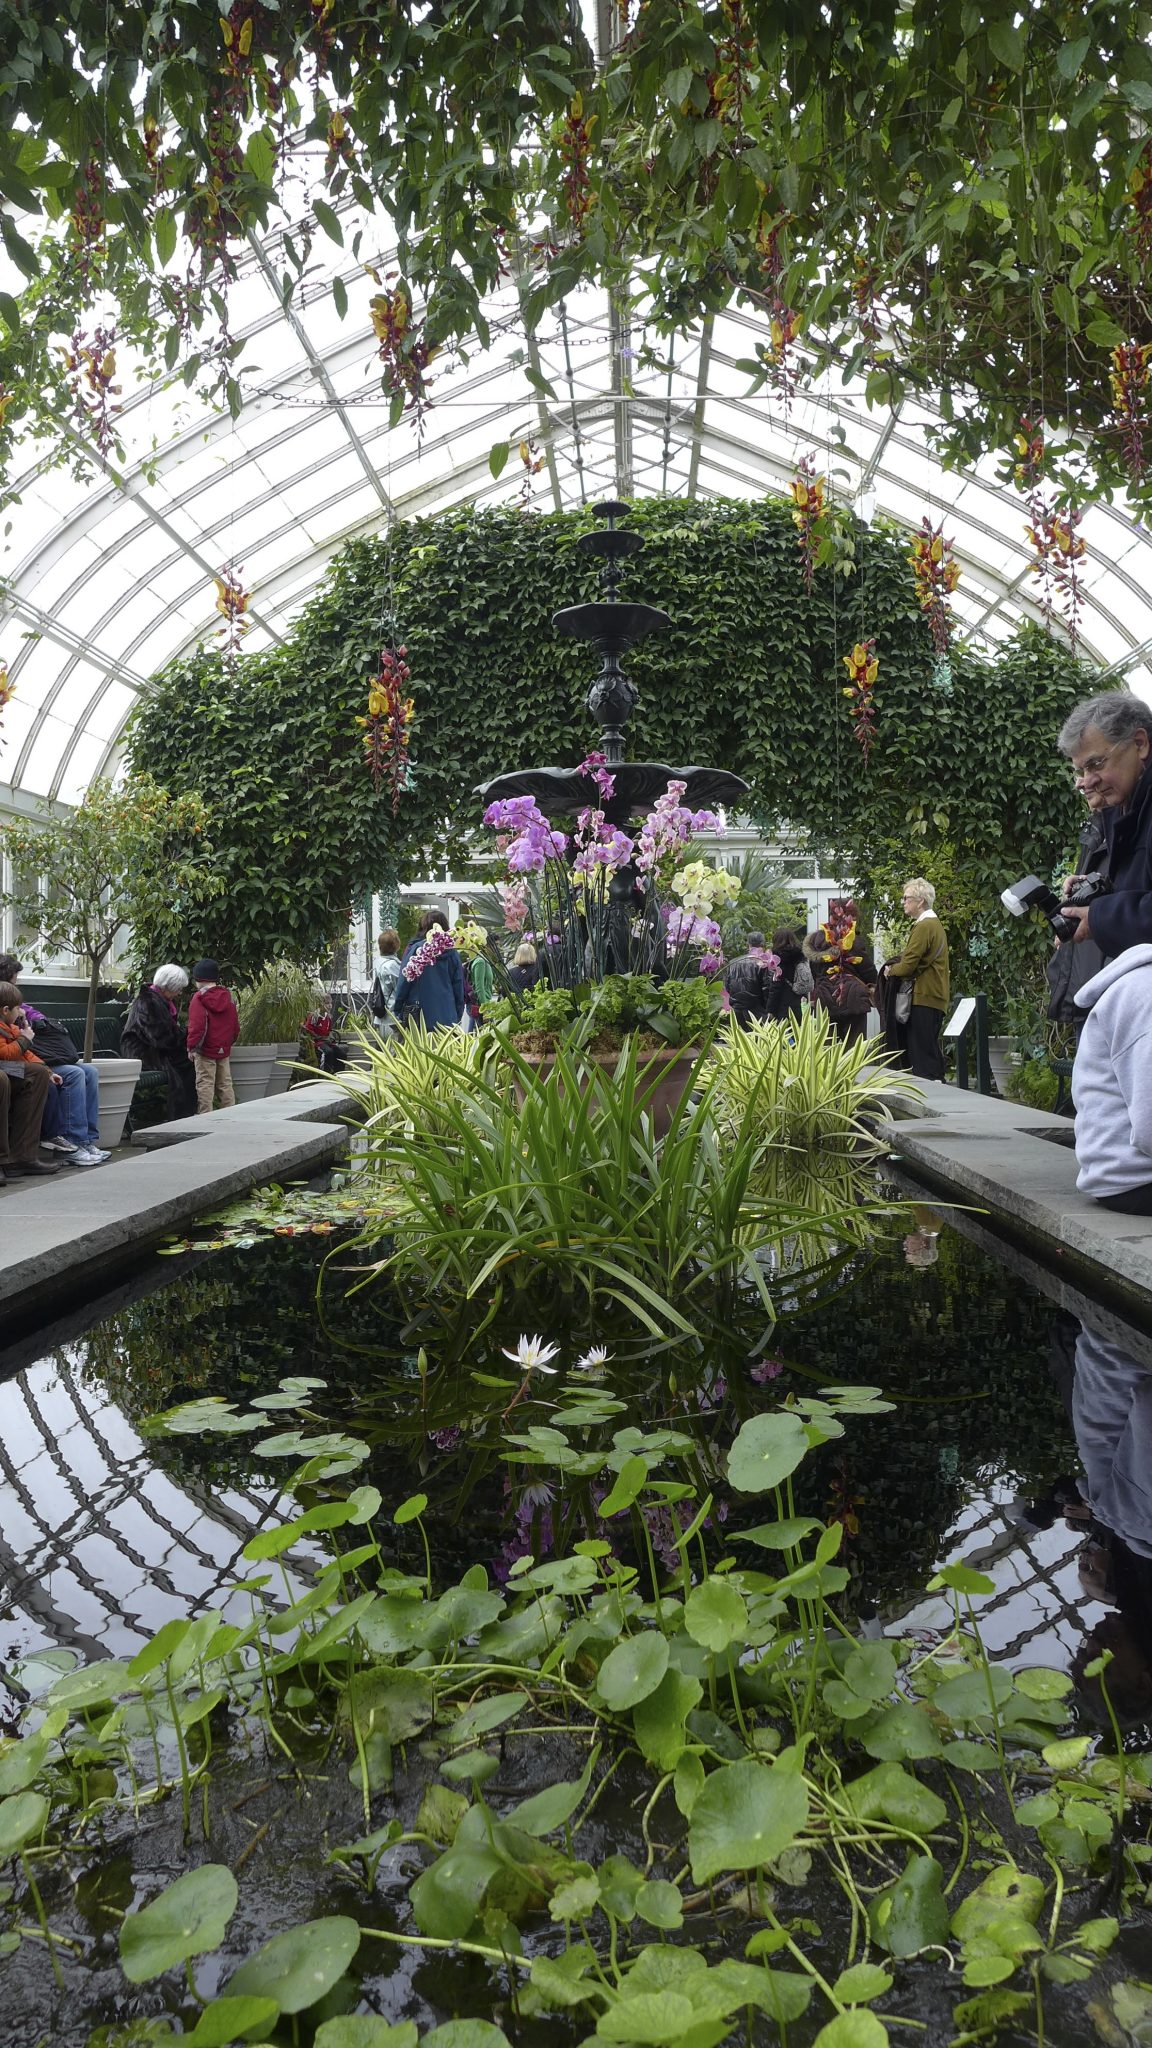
(107, 571)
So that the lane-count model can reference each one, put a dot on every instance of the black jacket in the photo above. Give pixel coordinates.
(1124, 918)
(150, 1030)
(749, 984)
(1070, 966)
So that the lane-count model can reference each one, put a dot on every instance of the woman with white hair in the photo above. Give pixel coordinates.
(923, 961)
(152, 1033)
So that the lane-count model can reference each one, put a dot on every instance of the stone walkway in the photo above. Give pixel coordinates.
(65, 1239)
(1018, 1166)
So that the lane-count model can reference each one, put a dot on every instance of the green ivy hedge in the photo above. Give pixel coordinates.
(749, 677)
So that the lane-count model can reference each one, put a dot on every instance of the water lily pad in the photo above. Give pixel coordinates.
(715, 1615)
(746, 1814)
(188, 1919)
(464, 2034)
(298, 1967)
(767, 1449)
(234, 2019)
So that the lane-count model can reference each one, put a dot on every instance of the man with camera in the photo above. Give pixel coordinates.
(1108, 740)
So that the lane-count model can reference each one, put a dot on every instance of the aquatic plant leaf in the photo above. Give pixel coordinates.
(553, 1978)
(187, 1919)
(446, 1898)
(485, 1715)
(392, 1704)
(91, 1685)
(292, 1443)
(234, 2019)
(715, 1615)
(209, 1416)
(299, 1966)
(856, 2029)
(556, 1804)
(1006, 1895)
(1036, 1682)
(626, 1486)
(659, 1904)
(659, 1719)
(911, 1914)
(366, 2030)
(962, 1578)
(890, 1793)
(1064, 1755)
(632, 1670)
(781, 1535)
(969, 1697)
(767, 1449)
(655, 2017)
(746, 1814)
(465, 2034)
(871, 1670)
(777, 1992)
(687, 1784)
(862, 1982)
(461, 1611)
(574, 1901)
(21, 1817)
(899, 1731)
(409, 1509)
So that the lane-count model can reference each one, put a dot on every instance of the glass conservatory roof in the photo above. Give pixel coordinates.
(107, 570)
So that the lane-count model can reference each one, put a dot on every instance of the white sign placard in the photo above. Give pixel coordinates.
(961, 1017)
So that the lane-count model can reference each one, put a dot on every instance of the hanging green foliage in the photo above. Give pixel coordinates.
(944, 194)
(749, 677)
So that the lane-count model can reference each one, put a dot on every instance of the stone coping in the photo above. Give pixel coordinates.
(64, 1239)
(1017, 1166)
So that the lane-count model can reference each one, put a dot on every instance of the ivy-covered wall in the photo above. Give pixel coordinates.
(749, 677)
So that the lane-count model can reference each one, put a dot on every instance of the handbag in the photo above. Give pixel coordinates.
(906, 988)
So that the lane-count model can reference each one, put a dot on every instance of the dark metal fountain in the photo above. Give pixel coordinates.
(612, 626)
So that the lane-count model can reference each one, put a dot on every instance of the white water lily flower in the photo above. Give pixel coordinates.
(593, 1359)
(532, 1355)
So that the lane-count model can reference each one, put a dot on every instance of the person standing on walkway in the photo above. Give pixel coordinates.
(431, 977)
(922, 960)
(386, 983)
(152, 1035)
(213, 1028)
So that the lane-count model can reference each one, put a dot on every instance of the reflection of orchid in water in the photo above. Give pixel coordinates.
(594, 1360)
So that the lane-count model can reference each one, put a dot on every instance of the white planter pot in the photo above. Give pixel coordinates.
(283, 1074)
(1003, 1062)
(252, 1070)
(118, 1080)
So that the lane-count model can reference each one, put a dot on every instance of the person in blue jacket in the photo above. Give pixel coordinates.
(1108, 740)
(431, 978)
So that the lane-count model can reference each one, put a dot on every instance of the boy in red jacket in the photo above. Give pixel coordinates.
(213, 1027)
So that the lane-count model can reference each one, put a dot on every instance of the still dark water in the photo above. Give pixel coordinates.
(1020, 1440)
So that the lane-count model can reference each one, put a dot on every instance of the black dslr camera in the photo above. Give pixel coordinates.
(1033, 894)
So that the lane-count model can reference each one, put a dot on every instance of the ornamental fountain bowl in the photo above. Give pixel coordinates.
(564, 791)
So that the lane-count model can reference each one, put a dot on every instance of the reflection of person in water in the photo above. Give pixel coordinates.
(1112, 1418)
(922, 1245)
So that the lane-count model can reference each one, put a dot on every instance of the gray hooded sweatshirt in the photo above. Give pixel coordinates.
(1112, 1077)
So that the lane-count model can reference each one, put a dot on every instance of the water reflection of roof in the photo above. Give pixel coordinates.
(99, 1546)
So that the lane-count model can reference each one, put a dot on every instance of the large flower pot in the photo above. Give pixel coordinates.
(252, 1069)
(118, 1078)
(283, 1073)
(1003, 1061)
(671, 1071)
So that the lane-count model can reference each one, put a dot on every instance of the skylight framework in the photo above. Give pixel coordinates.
(107, 570)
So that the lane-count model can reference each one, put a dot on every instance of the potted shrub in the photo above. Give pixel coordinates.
(272, 1013)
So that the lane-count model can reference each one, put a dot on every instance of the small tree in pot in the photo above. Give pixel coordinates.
(122, 858)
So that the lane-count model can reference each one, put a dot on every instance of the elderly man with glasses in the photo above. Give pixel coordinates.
(1108, 741)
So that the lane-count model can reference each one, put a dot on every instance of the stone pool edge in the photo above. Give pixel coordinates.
(69, 1236)
(1017, 1166)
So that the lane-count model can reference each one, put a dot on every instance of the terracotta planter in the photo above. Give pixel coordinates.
(118, 1078)
(672, 1072)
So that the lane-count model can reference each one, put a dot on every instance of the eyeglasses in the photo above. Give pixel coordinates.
(1098, 761)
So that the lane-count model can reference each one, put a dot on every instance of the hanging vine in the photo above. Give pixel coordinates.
(1059, 548)
(388, 725)
(7, 692)
(403, 351)
(808, 513)
(863, 666)
(91, 365)
(1129, 382)
(232, 602)
(937, 573)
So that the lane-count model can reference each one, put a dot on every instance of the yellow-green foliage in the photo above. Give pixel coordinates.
(414, 1081)
(800, 1086)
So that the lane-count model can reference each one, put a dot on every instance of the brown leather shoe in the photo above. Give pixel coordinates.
(29, 1169)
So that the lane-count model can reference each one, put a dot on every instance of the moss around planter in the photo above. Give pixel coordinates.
(671, 1071)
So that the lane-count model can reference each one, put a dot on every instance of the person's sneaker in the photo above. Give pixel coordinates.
(58, 1145)
(29, 1169)
(98, 1150)
(85, 1156)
